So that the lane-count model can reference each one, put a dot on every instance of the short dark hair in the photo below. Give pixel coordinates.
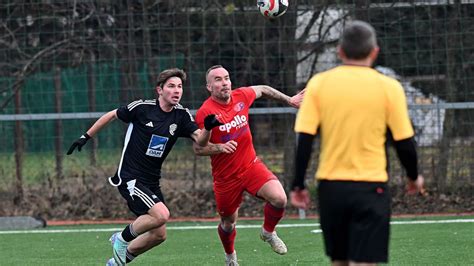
(358, 39)
(169, 73)
(212, 68)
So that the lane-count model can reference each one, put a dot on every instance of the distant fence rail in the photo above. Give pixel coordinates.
(270, 110)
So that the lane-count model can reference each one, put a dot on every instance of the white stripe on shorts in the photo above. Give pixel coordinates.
(144, 197)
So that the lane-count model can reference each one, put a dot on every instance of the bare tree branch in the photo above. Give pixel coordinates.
(28, 67)
(308, 27)
(239, 42)
(14, 43)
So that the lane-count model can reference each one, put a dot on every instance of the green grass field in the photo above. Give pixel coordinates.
(442, 241)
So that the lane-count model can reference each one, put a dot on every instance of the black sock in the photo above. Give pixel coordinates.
(129, 257)
(128, 234)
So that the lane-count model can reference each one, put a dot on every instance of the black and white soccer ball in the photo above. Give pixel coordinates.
(272, 8)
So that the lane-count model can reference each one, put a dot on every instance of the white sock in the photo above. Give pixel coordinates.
(265, 232)
(121, 238)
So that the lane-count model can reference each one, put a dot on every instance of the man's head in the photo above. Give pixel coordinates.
(218, 83)
(358, 42)
(169, 85)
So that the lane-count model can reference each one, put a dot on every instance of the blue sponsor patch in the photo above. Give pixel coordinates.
(157, 146)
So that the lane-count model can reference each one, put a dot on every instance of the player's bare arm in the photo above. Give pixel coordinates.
(201, 137)
(102, 122)
(215, 148)
(95, 128)
(271, 93)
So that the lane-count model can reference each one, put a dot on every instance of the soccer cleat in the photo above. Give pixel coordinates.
(275, 242)
(119, 248)
(231, 259)
(111, 262)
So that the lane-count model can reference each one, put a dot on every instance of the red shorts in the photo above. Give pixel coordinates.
(229, 194)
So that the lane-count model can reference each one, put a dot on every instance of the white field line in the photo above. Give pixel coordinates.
(203, 227)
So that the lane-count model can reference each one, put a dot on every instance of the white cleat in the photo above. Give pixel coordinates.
(275, 242)
(111, 262)
(119, 248)
(231, 259)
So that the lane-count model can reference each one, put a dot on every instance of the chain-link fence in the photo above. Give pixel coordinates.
(63, 63)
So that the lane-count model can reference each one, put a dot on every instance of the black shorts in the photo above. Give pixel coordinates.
(355, 220)
(140, 197)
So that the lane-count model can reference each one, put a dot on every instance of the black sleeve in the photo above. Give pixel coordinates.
(406, 152)
(127, 113)
(303, 154)
(188, 126)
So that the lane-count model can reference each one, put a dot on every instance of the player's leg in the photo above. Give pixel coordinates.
(227, 233)
(147, 241)
(228, 198)
(273, 193)
(261, 182)
(147, 204)
(339, 263)
(157, 216)
(150, 231)
(352, 263)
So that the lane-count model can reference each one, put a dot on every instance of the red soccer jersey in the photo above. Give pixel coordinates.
(235, 117)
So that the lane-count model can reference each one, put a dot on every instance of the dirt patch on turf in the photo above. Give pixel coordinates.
(94, 199)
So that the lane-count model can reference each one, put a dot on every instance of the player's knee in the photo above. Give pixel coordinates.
(160, 215)
(228, 226)
(163, 217)
(279, 201)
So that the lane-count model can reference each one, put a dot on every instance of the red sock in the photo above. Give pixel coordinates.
(227, 239)
(272, 216)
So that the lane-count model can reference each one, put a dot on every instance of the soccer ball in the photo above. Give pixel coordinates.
(272, 8)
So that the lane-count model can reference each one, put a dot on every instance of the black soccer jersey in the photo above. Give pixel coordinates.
(150, 136)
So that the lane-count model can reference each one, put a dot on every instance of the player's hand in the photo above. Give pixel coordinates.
(211, 122)
(296, 100)
(300, 198)
(228, 147)
(79, 143)
(417, 186)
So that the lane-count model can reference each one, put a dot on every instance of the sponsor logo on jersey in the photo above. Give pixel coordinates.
(239, 106)
(157, 146)
(173, 128)
(237, 122)
(234, 135)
